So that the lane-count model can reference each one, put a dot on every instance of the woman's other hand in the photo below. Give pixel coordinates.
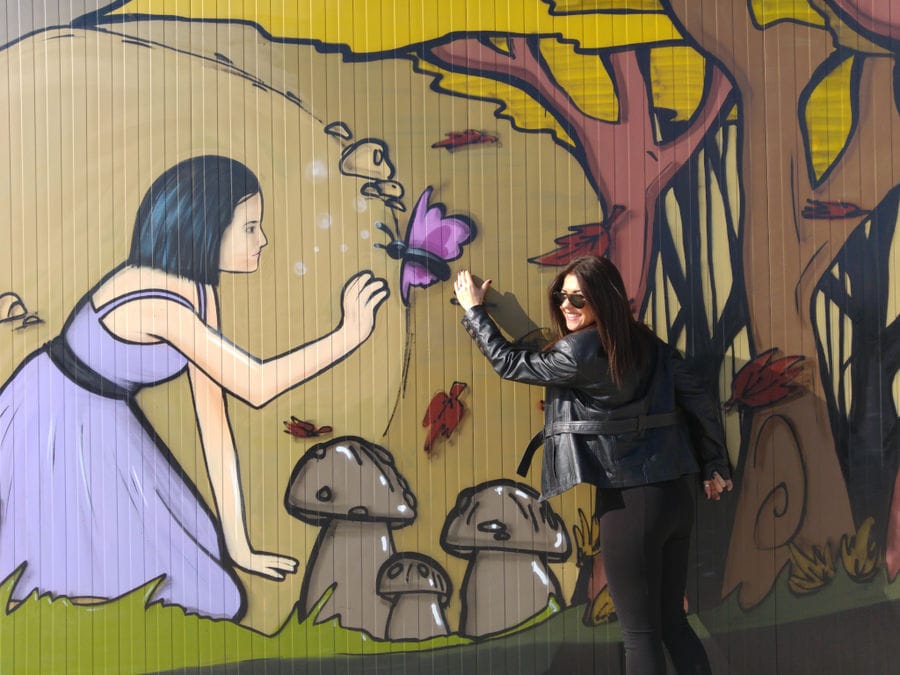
(360, 300)
(716, 486)
(468, 293)
(265, 564)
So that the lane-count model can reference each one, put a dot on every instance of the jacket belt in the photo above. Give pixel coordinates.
(594, 428)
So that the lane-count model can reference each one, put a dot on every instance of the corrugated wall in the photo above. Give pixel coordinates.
(736, 159)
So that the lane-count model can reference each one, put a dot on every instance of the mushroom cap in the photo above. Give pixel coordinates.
(351, 479)
(407, 572)
(503, 515)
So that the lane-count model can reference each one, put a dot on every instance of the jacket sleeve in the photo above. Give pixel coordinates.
(557, 366)
(697, 402)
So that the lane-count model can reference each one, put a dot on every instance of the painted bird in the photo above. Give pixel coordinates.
(444, 414)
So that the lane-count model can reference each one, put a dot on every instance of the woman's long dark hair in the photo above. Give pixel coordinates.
(180, 222)
(622, 336)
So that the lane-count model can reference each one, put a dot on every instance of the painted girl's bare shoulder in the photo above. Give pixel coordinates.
(130, 279)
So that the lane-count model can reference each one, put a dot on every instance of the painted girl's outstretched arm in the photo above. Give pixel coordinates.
(249, 378)
(225, 478)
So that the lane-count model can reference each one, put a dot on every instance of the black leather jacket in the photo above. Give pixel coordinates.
(579, 388)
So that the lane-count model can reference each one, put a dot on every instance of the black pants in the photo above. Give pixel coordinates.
(644, 537)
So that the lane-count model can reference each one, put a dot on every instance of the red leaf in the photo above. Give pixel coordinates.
(764, 381)
(444, 413)
(458, 139)
(303, 429)
(589, 239)
(819, 210)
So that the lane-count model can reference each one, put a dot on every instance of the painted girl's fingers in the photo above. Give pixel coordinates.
(284, 563)
(373, 288)
(375, 301)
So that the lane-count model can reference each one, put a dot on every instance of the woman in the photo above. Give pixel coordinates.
(91, 500)
(623, 413)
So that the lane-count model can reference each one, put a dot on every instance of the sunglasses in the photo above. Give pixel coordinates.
(577, 301)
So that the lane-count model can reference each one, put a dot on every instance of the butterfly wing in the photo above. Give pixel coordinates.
(432, 240)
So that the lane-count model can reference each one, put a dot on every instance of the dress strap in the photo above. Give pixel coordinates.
(144, 293)
(201, 300)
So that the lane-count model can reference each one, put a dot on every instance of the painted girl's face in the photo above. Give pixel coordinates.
(575, 317)
(243, 239)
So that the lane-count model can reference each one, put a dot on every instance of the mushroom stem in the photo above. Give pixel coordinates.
(349, 554)
(502, 589)
(417, 616)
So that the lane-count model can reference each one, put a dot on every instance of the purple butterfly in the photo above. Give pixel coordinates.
(432, 240)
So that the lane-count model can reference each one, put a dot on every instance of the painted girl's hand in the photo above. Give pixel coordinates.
(360, 300)
(265, 564)
(468, 293)
(716, 486)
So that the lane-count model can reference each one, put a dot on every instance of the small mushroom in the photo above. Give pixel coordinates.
(418, 590)
(352, 489)
(509, 537)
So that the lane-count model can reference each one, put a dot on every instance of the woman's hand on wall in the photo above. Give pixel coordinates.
(265, 564)
(468, 293)
(716, 486)
(360, 300)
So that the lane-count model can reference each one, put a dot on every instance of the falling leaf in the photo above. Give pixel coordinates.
(764, 381)
(819, 210)
(589, 239)
(445, 412)
(303, 429)
(459, 139)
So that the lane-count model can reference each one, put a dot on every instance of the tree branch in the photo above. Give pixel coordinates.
(520, 68)
(675, 153)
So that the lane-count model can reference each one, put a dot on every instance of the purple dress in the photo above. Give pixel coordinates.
(90, 498)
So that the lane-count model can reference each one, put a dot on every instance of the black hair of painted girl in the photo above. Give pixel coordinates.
(182, 217)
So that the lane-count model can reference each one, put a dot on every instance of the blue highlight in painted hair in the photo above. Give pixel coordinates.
(181, 220)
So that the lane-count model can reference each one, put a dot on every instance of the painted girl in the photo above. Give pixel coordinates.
(90, 497)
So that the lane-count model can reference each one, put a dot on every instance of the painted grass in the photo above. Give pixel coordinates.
(44, 635)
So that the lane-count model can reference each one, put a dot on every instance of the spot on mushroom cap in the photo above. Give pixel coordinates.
(503, 515)
(351, 479)
(407, 572)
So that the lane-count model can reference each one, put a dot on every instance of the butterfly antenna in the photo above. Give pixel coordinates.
(386, 229)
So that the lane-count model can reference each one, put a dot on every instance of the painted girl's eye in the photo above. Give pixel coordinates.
(250, 229)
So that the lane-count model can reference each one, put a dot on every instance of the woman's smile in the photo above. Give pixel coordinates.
(576, 318)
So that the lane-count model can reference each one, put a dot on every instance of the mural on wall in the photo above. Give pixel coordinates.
(756, 236)
(88, 465)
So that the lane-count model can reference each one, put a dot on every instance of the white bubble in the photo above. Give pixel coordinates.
(323, 222)
(315, 249)
(364, 234)
(299, 268)
(361, 204)
(344, 248)
(317, 170)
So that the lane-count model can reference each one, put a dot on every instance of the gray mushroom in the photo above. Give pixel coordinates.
(352, 489)
(418, 590)
(508, 536)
